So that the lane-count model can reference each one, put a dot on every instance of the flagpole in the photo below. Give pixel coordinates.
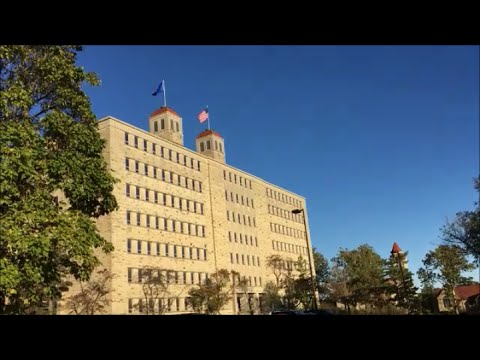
(208, 118)
(164, 94)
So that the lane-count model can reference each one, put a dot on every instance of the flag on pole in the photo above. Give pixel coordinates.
(160, 89)
(203, 115)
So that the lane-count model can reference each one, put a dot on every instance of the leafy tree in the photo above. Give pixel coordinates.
(401, 286)
(245, 289)
(271, 298)
(338, 289)
(212, 296)
(92, 297)
(322, 273)
(363, 269)
(464, 231)
(446, 264)
(48, 142)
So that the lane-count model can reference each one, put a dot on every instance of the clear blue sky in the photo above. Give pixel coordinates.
(383, 141)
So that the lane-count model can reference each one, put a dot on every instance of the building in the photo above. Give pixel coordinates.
(188, 213)
(461, 295)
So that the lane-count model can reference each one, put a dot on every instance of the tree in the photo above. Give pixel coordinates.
(244, 287)
(49, 142)
(337, 286)
(271, 299)
(446, 264)
(212, 296)
(322, 273)
(363, 270)
(464, 231)
(276, 264)
(401, 287)
(92, 297)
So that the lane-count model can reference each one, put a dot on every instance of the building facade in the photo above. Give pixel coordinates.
(188, 214)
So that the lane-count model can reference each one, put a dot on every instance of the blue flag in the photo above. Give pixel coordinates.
(161, 88)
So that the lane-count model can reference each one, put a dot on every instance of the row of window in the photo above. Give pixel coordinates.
(231, 217)
(295, 249)
(232, 236)
(250, 283)
(205, 145)
(159, 223)
(282, 197)
(163, 277)
(163, 152)
(233, 178)
(145, 247)
(241, 258)
(164, 175)
(156, 197)
(285, 230)
(284, 214)
(240, 199)
(174, 125)
(156, 306)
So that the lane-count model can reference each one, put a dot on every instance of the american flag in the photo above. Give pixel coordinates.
(203, 115)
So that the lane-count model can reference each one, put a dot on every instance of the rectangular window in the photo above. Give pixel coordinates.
(220, 146)
(137, 192)
(241, 181)
(149, 247)
(145, 145)
(191, 163)
(136, 142)
(129, 246)
(127, 164)
(126, 138)
(228, 215)
(258, 261)
(166, 249)
(230, 177)
(235, 236)
(244, 220)
(201, 209)
(231, 258)
(127, 190)
(254, 224)
(137, 165)
(158, 248)
(128, 217)
(178, 158)
(233, 217)
(191, 253)
(248, 260)
(199, 187)
(236, 255)
(198, 253)
(185, 160)
(178, 130)
(170, 154)
(129, 275)
(155, 126)
(229, 236)
(256, 242)
(148, 221)
(172, 201)
(145, 169)
(226, 195)
(139, 247)
(241, 239)
(208, 144)
(147, 195)
(171, 124)
(154, 172)
(205, 254)
(138, 219)
(243, 259)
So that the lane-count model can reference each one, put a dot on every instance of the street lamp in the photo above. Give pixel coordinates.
(310, 262)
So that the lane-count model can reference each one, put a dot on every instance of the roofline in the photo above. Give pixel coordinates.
(108, 117)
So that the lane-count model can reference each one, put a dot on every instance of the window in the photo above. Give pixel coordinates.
(170, 154)
(139, 251)
(216, 145)
(147, 195)
(233, 217)
(230, 177)
(226, 195)
(201, 209)
(235, 236)
(138, 219)
(204, 254)
(162, 124)
(208, 144)
(241, 239)
(258, 264)
(171, 125)
(154, 172)
(251, 201)
(136, 142)
(137, 192)
(244, 220)
(236, 255)
(229, 236)
(235, 177)
(198, 257)
(149, 247)
(243, 259)
(202, 147)
(177, 127)
(155, 126)
(136, 166)
(174, 246)
(166, 249)
(127, 190)
(163, 175)
(148, 221)
(127, 164)
(191, 163)
(231, 258)
(447, 303)
(242, 201)
(198, 165)
(256, 242)
(165, 224)
(126, 138)
(236, 196)
(231, 196)
(178, 158)
(254, 224)
(129, 275)
(145, 145)
(129, 246)
(157, 223)
(224, 175)
(248, 260)
(191, 253)
(241, 181)
(128, 217)
(228, 215)
(220, 146)
(162, 151)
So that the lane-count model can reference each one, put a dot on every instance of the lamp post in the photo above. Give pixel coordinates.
(310, 259)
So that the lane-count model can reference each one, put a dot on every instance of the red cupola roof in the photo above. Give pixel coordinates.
(162, 110)
(208, 132)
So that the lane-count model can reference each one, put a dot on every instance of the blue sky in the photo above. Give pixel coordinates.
(383, 141)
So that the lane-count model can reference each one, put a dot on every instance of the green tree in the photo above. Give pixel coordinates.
(322, 273)
(363, 269)
(49, 142)
(214, 294)
(446, 264)
(271, 298)
(464, 231)
(401, 286)
(276, 264)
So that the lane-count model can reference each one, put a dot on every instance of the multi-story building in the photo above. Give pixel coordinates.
(189, 214)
